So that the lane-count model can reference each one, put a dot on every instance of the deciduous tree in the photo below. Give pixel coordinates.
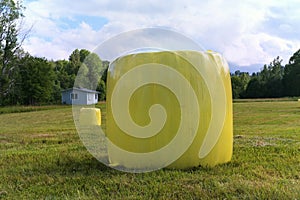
(10, 15)
(36, 81)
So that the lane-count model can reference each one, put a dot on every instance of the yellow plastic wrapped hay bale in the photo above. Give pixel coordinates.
(90, 116)
(169, 109)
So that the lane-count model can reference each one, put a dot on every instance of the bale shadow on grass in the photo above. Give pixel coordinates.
(76, 166)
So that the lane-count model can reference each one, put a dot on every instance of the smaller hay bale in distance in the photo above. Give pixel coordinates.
(90, 116)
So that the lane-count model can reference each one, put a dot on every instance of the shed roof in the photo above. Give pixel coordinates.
(81, 89)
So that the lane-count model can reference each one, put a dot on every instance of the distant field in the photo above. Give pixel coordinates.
(267, 99)
(18, 109)
(42, 157)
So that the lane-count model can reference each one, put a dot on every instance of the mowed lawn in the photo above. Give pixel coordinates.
(42, 157)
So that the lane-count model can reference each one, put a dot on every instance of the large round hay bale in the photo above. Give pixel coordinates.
(169, 109)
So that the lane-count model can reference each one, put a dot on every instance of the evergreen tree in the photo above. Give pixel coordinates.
(268, 82)
(291, 78)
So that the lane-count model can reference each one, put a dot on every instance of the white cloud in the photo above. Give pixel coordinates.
(233, 28)
(259, 48)
(40, 47)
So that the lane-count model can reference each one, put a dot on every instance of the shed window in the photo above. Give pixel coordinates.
(96, 96)
(74, 96)
(90, 97)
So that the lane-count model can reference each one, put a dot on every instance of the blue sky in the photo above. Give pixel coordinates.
(248, 33)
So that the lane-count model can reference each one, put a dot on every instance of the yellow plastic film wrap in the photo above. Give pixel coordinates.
(169, 109)
(90, 116)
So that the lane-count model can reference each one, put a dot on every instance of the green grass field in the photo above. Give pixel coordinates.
(42, 157)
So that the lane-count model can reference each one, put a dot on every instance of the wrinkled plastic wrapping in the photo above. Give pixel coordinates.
(169, 109)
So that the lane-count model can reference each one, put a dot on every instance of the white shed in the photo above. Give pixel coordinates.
(79, 96)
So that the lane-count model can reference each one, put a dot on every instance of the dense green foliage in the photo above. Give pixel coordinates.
(39, 81)
(25, 79)
(42, 157)
(89, 73)
(273, 81)
(291, 79)
(35, 81)
(10, 16)
(239, 82)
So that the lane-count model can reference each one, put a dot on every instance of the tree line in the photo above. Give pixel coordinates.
(30, 80)
(37, 81)
(274, 80)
